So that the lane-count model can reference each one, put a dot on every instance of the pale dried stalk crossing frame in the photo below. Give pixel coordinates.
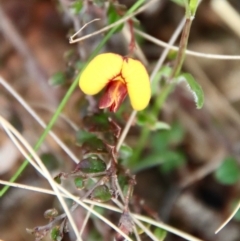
(152, 39)
(122, 20)
(12, 132)
(16, 138)
(37, 118)
(107, 206)
(9, 129)
(170, 46)
(156, 68)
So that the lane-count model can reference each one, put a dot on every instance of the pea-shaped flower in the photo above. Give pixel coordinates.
(119, 75)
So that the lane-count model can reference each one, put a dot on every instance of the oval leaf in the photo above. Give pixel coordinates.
(101, 194)
(229, 172)
(79, 182)
(57, 79)
(83, 136)
(94, 145)
(160, 125)
(50, 213)
(56, 234)
(125, 151)
(160, 233)
(91, 164)
(57, 179)
(194, 87)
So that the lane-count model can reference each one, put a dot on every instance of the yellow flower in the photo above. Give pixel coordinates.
(120, 75)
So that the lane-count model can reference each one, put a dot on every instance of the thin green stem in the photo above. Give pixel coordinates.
(145, 133)
(182, 49)
(66, 98)
(167, 89)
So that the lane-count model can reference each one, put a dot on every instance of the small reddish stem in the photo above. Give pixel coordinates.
(132, 44)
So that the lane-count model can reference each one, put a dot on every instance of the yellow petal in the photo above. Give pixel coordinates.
(99, 72)
(138, 83)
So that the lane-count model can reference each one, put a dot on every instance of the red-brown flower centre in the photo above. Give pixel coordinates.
(114, 95)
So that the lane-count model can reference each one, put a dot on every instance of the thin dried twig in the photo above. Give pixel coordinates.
(54, 185)
(136, 233)
(137, 50)
(145, 229)
(188, 52)
(85, 221)
(72, 40)
(205, 170)
(122, 20)
(81, 203)
(27, 187)
(10, 129)
(37, 118)
(156, 68)
(167, 228)
(228, 219)
(107, 206)
(72, 124)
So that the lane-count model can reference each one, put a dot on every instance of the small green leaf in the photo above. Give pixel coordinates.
(164, 72)
(194, 87)
(172, 161)
(101, 194)
(125, 151)
(77, 6)
(166, 160)
(160, 125)
(83, 136)
(109, 139)
(79, 183)
(172, 55)
(161, 234)
(146, 118)
(229, 172)
(92, 164)
(98, 123)
(57, 179)
(161, 140)
(150, 161)
(56, 234)
(90, 143)
(57, 79)
(50, 161)
(50, 213)
(93, 145)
